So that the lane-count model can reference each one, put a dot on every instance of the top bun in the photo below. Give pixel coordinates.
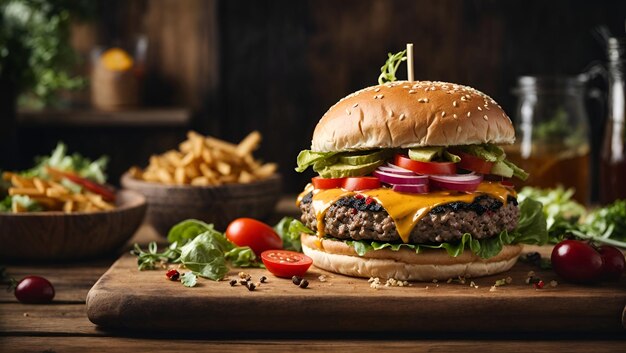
(404, 114)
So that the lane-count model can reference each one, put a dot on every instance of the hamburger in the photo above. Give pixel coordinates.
(412, 185)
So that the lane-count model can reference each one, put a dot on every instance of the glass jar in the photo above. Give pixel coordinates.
(552, 142)
(613, 156)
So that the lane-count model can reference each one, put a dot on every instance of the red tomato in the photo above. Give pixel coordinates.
(437, 168)
(34, 290)
(473, 163)
(96, 188)
(284, 263)
(327, 183)
(577, 261)
(257, 235)
(613, 262)
(361, 183)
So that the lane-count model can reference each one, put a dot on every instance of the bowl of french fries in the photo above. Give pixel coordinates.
(62, 209)
(208, 179)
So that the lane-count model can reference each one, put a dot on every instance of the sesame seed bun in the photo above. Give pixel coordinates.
(406, 114)
(405, 264)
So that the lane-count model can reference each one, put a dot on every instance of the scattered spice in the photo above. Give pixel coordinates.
(263, 279)
(554, 283)
(233, 282)
(172, 275)
(322, 278)
(303, 284)
(539, 284)
(251, 286)
(243, 282)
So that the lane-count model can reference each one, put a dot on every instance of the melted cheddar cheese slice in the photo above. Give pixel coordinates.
(404, 208)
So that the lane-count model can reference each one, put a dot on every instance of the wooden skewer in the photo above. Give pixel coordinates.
(409, 61)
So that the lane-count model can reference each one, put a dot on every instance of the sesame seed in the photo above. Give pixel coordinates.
(455, 104)
(412, 91)
(485, 117)
(454, 116)
(355, 105)
(463, 98)
(432, 88)
(402, 117)
(423, 100)
(480, 109)
(459, 128)
(468, 114)
(348, 111)
(391, 113)
(443, 114)
(377, 90)
(405, 86)
(486, 107)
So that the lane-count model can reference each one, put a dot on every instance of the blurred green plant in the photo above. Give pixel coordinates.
(35, 53)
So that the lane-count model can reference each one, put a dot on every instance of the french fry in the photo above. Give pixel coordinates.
(25, 191)
(249, 144)
(206, 161)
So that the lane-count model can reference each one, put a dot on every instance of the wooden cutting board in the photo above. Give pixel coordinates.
(127, 298)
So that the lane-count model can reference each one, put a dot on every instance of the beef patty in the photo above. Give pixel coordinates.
(359, 218)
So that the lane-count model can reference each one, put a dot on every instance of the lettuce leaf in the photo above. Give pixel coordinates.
(289, 230)
(187, 230)
(59, 159)
(309, 158)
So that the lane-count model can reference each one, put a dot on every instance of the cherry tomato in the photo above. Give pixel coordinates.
(577, 261)
(473, 163)
(34, 290)
(284, 263)
(437, 168)
(327, 183)
(613, 262)
(361, 183)
(96, 188)
(257, 235)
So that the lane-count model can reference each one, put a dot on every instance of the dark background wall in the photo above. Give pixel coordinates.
(276, 66)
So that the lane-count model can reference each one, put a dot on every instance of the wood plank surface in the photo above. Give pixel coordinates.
(54, 319)
(127, 298)
(118, 344)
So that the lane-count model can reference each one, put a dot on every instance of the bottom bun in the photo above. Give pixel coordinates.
(405, 264)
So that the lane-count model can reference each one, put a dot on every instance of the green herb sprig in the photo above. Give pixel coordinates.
(388, 71)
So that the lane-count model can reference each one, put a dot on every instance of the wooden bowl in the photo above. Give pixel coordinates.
(170, 204)
(62, 236)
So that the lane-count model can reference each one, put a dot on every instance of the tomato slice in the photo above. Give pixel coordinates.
(255, 234)
(436, 168)
(285, 263)
(327, 183)
(473, 163)
(361, 183)
(96, 188)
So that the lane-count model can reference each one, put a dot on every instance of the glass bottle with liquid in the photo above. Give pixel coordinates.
(613, 156)
(552, 133)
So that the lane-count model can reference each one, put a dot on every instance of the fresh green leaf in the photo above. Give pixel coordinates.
(6, 203)
(189, 279)
(26, 202)
(242, 256)
(290, 229)
(388, 71)
(187, 230)
(148, 260)
(204, 255)
(75, 163)
(308, 158)
(609, 221)
(532, 226)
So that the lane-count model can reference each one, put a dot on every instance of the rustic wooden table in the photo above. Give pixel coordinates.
(63, 326)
